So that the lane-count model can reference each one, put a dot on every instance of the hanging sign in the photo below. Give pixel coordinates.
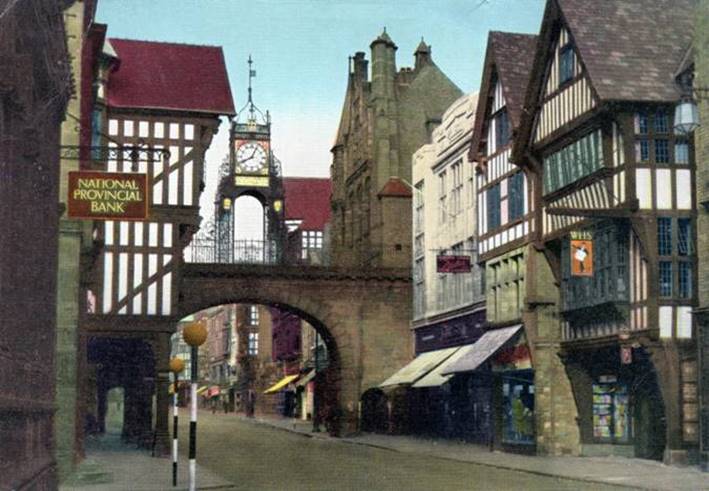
(453, 264)
(581, 253)
(107, 196)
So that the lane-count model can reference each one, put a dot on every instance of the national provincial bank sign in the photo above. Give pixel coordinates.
(107, 196)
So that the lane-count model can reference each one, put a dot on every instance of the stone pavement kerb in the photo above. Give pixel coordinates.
(619, 471)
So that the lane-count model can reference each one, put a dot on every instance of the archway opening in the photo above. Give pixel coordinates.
(115, 410)
(250, 227)
(270, 360)
(119, 388)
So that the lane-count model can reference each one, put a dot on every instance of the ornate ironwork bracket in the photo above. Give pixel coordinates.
(103, 153)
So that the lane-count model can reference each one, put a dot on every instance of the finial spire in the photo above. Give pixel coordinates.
(252, 74)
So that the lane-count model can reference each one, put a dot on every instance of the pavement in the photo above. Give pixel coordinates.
(112, 465)
(611, 471)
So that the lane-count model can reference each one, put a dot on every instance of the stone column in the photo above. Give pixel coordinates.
(554, 406)
(666, 358)
(161, 347)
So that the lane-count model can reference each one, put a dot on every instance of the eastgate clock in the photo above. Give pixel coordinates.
(251, 157)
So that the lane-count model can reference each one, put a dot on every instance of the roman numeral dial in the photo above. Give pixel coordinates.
(251, 158)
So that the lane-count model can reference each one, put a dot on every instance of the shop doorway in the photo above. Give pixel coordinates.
(649, 417)
(375, 414)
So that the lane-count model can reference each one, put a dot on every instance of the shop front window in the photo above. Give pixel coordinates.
(518, 408)
(611, 415)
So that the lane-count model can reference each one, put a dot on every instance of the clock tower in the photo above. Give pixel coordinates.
(253, 171)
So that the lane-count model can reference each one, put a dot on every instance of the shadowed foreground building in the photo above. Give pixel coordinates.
(35, 86)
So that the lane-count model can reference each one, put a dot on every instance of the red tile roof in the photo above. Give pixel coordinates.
(633, 52)
(308, 199)
(395, 187)
(181, 77)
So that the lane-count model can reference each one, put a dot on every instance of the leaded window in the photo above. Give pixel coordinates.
(566, 64)
(571, 163)
(661, 122)
(642, 151)
(684, 236)
(665, 276)
(515, 185)
(655, 141)
(664, 236)
(681, 152)
(502, 129)
(662, 151)
(493, 207)
(675, 248)
(684, 279)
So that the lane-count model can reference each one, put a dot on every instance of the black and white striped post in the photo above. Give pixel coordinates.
(176, 366)
(195, 335)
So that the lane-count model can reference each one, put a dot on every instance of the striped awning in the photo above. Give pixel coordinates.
(418, 367)
(202, 389)
(435, 377)
(281, 384)
(484, 348)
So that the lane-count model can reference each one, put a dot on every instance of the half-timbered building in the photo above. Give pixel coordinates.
(614, 218)
(160, 96)
(505, 223)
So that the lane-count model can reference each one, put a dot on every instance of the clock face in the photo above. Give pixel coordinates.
(251, 157)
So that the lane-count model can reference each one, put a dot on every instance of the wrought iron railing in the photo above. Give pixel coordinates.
(211, 251)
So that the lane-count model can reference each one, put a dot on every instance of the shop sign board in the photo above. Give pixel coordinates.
(452, 264)
(94, 195)
(581, 253)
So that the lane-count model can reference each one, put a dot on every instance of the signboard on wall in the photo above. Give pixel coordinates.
(453, 264)
(581, 254)
(96, 195)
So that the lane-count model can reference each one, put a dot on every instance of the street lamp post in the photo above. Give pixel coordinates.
(195, 335)
(176, 366)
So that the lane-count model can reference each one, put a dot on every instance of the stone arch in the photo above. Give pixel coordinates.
(363, 319)
(329, 391)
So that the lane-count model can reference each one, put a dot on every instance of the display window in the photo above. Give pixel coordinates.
(611, 412)
(518, 407)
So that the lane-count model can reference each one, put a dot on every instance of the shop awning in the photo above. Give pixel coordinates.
(280, 384)
(202, 389)
(214, 391)
(307, 378)
(435, 377)
(418, 367)
(485, 347)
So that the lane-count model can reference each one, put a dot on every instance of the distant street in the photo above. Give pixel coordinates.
(258, 457)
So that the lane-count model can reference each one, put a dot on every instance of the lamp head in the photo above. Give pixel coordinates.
(195, 334)
(177, 365)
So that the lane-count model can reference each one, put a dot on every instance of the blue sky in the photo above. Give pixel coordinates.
(300, 49)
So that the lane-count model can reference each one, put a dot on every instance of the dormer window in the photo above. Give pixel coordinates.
(567, 60)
